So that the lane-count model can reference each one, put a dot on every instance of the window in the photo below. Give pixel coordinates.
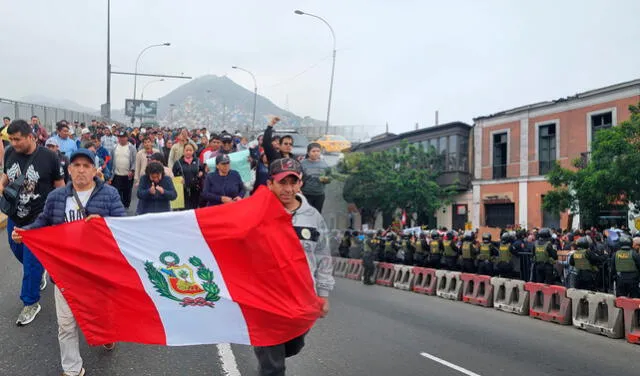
(434, 143)
(546, 147)
(464, 154)
(500, 155)
(452, 158)
(601, 121)
(443, 145)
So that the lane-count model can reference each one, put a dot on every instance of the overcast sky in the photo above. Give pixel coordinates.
(397, 61)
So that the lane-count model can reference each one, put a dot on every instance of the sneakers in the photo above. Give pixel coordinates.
(43, 281)
(109, 346)
(28, 314)
(82, 372)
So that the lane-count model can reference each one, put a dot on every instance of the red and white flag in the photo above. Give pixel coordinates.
(233, 273)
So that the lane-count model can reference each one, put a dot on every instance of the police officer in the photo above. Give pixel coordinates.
(485, 257)
(368, 257)
(469, 252)
(626, 269)
(345, 244)
(390, 248)
(419, 250)
(436, 249)
(544, 257)
(379, 243)
(585, 261)
(506, 251)
(355, 251)
(450, 251)
(407, 247)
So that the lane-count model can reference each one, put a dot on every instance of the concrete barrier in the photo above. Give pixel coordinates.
(355, 269)
(477, 289)
(404, 277)
(549, 303)
(449, 285)
(596, 313)
(386, 274)
(340, 267)
(424, 281)
(631, 309)
(510, 295)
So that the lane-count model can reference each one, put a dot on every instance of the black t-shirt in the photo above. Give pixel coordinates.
(38, 182)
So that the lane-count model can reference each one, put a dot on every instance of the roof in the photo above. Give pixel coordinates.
(545, 104)
(389, 137)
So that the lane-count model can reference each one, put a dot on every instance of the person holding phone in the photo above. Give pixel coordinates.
(155, 191)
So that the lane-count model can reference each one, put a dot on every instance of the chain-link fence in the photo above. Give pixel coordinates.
(48, 115)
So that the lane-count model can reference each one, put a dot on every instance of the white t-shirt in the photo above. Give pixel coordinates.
(121, 155)
(72, 210)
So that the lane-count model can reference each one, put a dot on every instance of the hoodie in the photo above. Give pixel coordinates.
(314, 237)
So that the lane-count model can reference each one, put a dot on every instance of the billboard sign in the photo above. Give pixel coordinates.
(140, 108)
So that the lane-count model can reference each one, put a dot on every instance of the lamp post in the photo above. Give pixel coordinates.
(255, 96)
(142, 94)
(333, 65)
(135, 77)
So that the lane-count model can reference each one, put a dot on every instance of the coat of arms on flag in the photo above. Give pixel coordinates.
(177, 282)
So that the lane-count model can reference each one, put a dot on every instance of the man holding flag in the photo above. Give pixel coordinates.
(85, 197)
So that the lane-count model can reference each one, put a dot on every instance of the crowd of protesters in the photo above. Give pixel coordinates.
(84, 171)
(593, 259)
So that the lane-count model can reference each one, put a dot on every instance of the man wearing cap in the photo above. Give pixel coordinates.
(41, 171)
(284, 182)
(109, 141)
(65, 142)
(84, 198)
(227, 144)
(124, 163)
(85, 135)
(52, 145)
(223, 185)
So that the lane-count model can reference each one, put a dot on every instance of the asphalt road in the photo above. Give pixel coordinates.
(371, 330)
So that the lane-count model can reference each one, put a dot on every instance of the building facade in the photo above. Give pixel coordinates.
(514, 149)
(453, 141)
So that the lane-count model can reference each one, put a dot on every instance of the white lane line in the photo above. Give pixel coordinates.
(450, 365)
(227, 360)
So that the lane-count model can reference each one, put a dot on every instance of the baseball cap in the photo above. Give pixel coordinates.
(83, 153)
(281, 168)
(122, 133)
(226, 138)
(85, 131)
(223, 158)
(51, 141)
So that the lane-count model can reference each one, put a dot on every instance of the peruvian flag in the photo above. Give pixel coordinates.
(233, 273)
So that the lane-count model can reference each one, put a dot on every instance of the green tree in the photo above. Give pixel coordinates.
(609, 177)
(403, 177)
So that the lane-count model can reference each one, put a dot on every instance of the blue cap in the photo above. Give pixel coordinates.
(83, 152)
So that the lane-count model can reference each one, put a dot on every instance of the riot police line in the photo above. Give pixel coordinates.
(590, 264)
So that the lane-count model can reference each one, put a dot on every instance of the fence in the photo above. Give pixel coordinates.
(354, 133)
(48, 115)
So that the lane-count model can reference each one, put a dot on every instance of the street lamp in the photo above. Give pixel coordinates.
(255, 95)
(147, 84)
(135, 77)
(333, 66)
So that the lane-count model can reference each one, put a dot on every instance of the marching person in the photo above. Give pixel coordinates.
(284, 182)
(84, 198)
(284, 147)
(155, 190)
(314, 176)
(224, 185)
(124, 164)
(39, 170)
(189, 167)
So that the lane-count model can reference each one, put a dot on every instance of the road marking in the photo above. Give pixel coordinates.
(227, 360)
(450, 365)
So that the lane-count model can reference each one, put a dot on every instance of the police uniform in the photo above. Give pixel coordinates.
(419, 252)
(544, 257)
(469, 253)
(585, 262)
(435, 252)
(408, 250)
(345, 244)
(368, 256)
(506, 251)
(485, 257)
(390, 250)
(450, 252)
(626, 269)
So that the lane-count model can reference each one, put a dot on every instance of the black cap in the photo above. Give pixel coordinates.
(226, 138)
(122, 133)
(222, 158)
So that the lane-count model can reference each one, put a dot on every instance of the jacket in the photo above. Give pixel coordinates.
(158, 202)
(314, 237)
(216, 186)
(189, 171)
(272, 154)
(141, 164)
(132, 158)
(311, 173)
(104, 201)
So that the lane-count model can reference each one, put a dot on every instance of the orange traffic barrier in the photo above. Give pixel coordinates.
(549, 303)
(425, 280)
(477, 289)
(355, 269)
(631, 309)
(385, 274)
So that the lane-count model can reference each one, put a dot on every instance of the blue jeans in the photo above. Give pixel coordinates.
(31, 269)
